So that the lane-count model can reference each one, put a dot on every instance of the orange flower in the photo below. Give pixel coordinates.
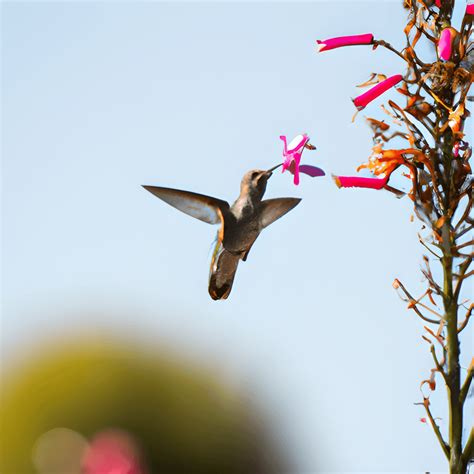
(384, 162)
(455, 119)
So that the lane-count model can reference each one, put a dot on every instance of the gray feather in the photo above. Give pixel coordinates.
(273, 209)
(199, 206)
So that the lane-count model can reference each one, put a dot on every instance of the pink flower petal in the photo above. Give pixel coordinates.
(364, 99)
(312, 171)
(292, 154)
(283, 138)
(296, 174)
(338, 42)
(360, 182)
(298, 143)
(470, 7)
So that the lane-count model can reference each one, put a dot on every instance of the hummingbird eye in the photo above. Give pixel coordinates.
(254, 174)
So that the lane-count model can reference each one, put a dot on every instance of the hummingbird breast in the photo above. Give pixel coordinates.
(242, 228)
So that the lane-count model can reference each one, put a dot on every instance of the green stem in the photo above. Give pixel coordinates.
(456, 464)
(467, 383)
(468, 454)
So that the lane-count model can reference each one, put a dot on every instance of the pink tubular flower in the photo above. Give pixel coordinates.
(333, 43)
(292, 156)
(364, 99)
(360, 182)
(470, 7)
(438, 3)
(445, 43)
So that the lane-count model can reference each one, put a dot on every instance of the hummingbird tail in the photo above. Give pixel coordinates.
(223, 267)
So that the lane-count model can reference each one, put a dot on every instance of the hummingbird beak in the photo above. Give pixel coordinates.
(271, 170)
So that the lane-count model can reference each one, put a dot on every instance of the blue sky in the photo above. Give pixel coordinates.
(99, 98)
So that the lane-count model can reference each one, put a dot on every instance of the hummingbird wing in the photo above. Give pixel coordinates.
(270, 211)
(273, 209)
(204, 208)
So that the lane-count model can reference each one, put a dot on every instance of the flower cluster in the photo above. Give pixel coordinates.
(433, 155)
(292, 151)
(382, 163)
(452, 70)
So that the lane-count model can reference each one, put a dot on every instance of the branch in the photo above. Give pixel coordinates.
(465, 244)
(467, 383)
(468, 452)
(444, 446)
(462, 275)
(439, 367)
(465, 275)
(388, 46)
(427, 307)
(422, 242)
(438, 335)
(412, 305)
(433, 95)
(466, 319)
(414, 130)
(465, 214)
(429, 276)
(464, 231)
(430, 37)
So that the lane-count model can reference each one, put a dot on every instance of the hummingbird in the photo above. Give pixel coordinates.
(240, 223)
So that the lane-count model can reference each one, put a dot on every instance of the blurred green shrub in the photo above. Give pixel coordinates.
(180, 418)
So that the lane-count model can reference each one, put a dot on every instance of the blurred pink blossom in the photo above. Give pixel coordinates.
(111, 452)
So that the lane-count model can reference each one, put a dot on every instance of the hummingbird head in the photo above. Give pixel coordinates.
(254, 182)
